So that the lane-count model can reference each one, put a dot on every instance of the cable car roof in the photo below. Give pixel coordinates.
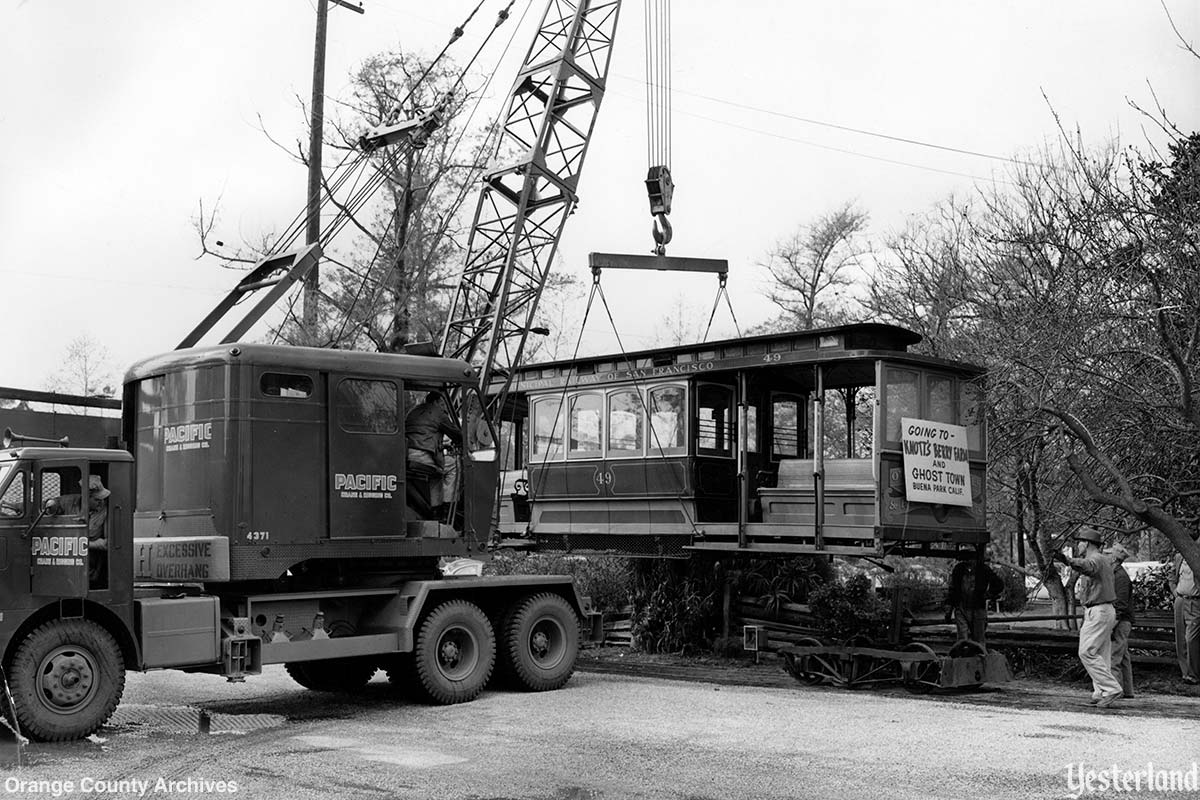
(773, 349)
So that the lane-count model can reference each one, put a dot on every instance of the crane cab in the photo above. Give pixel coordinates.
(254, 461)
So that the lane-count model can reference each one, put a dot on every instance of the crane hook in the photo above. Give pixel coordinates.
(662, 234)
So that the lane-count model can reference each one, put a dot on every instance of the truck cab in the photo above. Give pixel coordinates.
(66, 570)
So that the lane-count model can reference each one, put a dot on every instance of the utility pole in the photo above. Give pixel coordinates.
(316, 129)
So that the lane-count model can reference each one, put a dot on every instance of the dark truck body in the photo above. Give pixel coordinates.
(259, 517)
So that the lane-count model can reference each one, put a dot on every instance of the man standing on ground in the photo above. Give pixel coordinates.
(1187, 619)
(1122, 662)
(961, 600)
(1099, 616)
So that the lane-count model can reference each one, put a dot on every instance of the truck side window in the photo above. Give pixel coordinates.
(368, 406)
(15, 500)
(277, 384)
(54, 485)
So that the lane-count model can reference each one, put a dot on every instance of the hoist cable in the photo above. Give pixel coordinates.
(454, 37)
(722, 291)
(497, 131)
(501, 18)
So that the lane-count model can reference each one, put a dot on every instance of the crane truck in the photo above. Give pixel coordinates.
(258, 517)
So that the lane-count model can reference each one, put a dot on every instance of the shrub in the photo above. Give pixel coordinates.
(674, 605)
(608, 581)
(850, 607)
(779, 580)
(924, 588)
(1151, 591)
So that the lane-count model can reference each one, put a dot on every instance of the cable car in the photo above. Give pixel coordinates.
(835, 440)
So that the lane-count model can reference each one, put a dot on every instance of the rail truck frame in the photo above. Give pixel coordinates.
(259, 517)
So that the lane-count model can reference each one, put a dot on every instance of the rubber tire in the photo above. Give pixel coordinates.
(468, 628)
(332, 674)
(67, 640)
(553, 618)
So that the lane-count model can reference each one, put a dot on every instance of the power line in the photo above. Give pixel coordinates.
(848, 128)
(846, 151)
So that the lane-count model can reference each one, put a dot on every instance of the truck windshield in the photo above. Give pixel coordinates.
(12, 490)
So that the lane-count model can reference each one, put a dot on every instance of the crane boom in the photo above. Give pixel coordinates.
(524, 203)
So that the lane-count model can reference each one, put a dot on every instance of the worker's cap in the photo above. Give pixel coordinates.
(1088, 535)
(1119, 552)
(96, 487)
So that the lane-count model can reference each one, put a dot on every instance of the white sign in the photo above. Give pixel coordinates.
(935, 462)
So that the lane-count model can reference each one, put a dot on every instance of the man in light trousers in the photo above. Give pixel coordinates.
(1122, 661)
(1099, 616)
(1186, 591)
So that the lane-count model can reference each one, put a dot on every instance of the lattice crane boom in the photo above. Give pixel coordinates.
(524, 204)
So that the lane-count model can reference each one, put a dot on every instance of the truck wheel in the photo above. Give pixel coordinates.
(541, 641)
(332, 674)
(454, 654)
(66, 678)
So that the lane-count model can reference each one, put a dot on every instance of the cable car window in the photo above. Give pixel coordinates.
(714, 408)
(276, 384)
(900, 400)
(13, 501)
(586, 413)
(367, 406)
(751, 429)
(970, 405)
(785, 428)
(625, 418)
(939, 399)
(666, 408)
(547, 430)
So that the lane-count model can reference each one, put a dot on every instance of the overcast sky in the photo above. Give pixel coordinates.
(117, 118)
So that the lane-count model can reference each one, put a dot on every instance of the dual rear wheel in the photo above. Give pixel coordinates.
(457, 650)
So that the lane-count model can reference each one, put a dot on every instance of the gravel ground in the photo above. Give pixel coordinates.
(609, 736)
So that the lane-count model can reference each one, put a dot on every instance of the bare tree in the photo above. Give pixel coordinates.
(387, 285)
(810, 267)
(684, 323)
(924, 279)
(85, 369)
